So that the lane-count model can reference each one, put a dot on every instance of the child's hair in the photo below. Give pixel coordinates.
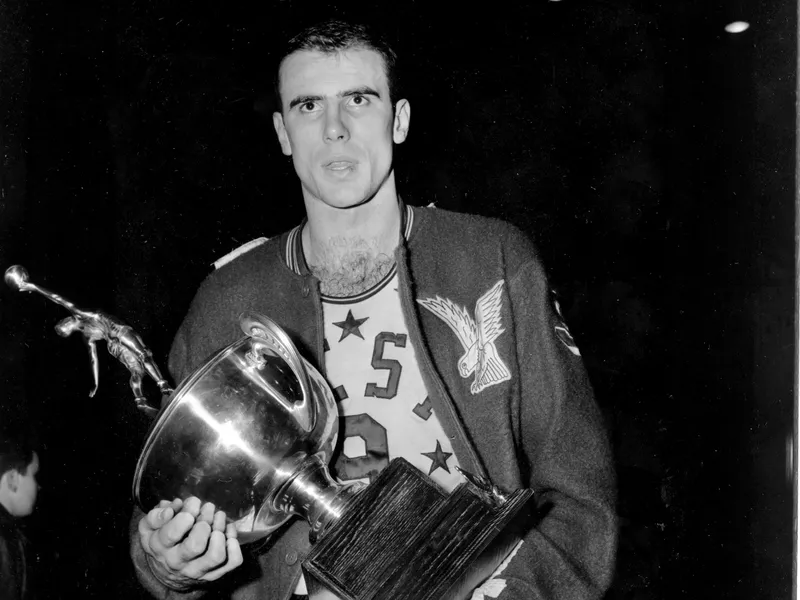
(16, 450)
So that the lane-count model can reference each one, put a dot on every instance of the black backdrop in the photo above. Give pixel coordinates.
(648, 152)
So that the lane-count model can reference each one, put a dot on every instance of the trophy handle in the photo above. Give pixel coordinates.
(267, 335)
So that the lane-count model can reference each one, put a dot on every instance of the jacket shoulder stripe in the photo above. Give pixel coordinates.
(293, 247)
(239, 251)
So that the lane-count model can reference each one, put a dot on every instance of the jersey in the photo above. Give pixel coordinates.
(384, 408)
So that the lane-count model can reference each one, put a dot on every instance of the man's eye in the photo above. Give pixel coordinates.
(307, 106)
(359, 100)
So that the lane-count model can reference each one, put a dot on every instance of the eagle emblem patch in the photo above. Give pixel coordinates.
(477, 336)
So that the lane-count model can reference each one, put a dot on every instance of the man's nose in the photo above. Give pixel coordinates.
(335, 127)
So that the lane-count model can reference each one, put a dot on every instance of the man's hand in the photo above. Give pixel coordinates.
(187, 544)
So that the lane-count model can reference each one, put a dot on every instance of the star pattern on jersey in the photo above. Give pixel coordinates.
(438, 458)
(350, 326)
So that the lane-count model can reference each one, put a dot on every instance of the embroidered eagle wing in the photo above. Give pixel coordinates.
(456, 317)
(487, 314)
(490, 368)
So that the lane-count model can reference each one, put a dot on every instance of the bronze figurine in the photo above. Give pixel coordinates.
(122, 342)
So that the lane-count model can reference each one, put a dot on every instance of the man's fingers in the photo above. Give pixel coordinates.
(192, 506)
(161, 514)
(219, 521)
(195, 543)
(207, 513)
(156, 518)
(215, 555)
(231, 551)
(201, 556)
(191, 539)
(172, 532)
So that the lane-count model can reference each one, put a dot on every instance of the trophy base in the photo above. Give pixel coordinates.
(404, 538)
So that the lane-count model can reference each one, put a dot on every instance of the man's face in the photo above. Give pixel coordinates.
(27, 488)
(338, 125)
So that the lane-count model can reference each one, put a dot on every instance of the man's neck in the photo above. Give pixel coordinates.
(350, 250)
(5, 502)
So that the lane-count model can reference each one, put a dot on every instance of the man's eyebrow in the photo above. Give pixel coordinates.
(360, 91)
(303, 100)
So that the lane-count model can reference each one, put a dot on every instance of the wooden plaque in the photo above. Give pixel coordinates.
(404, 538)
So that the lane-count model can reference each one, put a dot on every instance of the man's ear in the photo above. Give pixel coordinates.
(283, 137)
(402, 119)
(10, 480)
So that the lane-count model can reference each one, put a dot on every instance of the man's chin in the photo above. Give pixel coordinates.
(345, 200)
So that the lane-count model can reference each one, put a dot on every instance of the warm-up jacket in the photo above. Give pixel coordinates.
(13, 564)
(535, 426)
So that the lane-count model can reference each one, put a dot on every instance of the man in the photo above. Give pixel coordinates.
(437, 332)
(19, 465)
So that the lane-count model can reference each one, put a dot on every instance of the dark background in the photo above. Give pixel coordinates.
(648, 152)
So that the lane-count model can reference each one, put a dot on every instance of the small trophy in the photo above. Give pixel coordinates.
(122, 342)
(253, 430)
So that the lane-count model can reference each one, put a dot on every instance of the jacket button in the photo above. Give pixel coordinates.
(291, 557)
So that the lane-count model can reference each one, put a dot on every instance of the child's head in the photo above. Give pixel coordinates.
(19, 465)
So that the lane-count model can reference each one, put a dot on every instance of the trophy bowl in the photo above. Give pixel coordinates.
(251, 431)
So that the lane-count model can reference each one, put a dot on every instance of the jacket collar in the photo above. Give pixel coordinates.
(293, 242)
(5, 516)
(8, 522)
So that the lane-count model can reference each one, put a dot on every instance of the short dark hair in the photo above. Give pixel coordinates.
(333, 36)
(16, 452)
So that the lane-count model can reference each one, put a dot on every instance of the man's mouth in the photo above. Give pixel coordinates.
(340, 164)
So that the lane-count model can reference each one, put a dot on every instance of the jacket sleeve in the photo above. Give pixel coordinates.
(564, 455)
(211, 323)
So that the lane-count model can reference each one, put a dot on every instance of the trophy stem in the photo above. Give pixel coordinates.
(313, 494)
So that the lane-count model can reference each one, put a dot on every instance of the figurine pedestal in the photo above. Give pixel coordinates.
(403, 538)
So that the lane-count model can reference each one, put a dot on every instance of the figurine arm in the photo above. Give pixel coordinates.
(92, 347)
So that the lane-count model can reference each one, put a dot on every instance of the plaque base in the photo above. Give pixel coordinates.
(404, 538)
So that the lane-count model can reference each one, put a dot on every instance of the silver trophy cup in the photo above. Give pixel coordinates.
(251, 431)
